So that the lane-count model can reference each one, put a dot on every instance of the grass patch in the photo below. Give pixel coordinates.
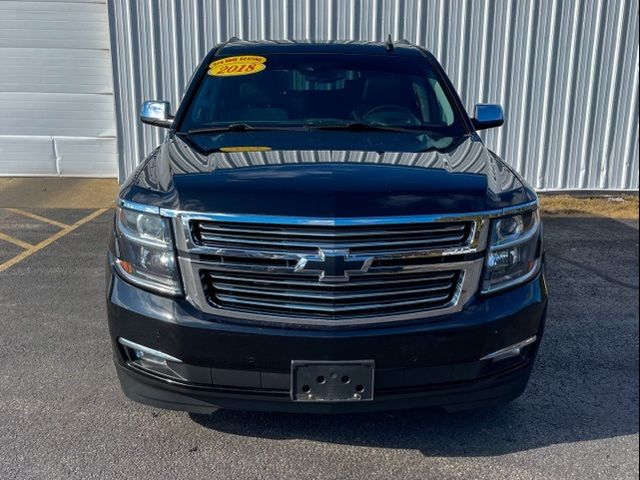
(612, 206)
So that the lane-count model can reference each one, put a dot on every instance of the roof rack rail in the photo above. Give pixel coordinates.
(403, 41)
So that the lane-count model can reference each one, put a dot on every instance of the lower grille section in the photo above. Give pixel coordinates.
(298, 294)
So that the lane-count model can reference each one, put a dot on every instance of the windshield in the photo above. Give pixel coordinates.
(322, 90)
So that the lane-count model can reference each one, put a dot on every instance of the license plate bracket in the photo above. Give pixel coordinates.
(322, 381)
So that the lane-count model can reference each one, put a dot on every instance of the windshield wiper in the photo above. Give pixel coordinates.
(351, 126)
(361, 127)
(237, 127)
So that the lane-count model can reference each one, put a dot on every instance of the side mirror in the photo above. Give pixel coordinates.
(487, 115)
(156, 113)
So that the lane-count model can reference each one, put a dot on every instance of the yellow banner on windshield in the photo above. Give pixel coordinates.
(234, 66)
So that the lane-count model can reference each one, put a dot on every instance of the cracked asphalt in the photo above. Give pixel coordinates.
(62, 414)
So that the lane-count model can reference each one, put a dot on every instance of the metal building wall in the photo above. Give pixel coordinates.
(56, 91)
(566, 71)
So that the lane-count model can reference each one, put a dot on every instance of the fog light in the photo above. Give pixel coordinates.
(510, 351)
(149, 359)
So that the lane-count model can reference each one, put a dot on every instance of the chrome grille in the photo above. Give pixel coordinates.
(309, 238)
(330, 273)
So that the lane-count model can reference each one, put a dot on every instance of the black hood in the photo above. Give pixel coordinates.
(461, 178)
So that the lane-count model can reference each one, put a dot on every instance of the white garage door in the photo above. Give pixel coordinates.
(56, 90)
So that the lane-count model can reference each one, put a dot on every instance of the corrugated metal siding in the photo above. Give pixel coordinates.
(566, 72)
(56, 89)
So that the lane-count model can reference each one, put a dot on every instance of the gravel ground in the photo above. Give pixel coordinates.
(62, 414)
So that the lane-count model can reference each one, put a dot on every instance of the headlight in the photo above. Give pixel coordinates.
(515, 250)
(144, 251)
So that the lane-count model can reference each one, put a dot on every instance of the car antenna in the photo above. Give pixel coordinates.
(389, 44)
(224, 44)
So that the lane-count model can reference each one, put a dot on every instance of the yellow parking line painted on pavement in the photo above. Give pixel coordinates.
(39, 246)
(37, 217)
(15, 241)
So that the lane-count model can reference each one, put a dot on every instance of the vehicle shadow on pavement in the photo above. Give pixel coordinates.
(584, 386)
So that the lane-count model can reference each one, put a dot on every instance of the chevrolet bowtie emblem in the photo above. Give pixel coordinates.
(334, 265)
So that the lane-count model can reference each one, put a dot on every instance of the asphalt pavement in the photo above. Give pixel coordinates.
(62, 414)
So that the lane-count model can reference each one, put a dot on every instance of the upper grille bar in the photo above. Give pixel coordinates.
(215, 240)
(317, 232)
(358, 239)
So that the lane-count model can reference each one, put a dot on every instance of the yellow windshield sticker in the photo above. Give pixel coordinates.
(244, 149)
(233, 66)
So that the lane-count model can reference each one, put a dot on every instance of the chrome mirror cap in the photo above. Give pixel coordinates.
(487, 115)
(156, 113)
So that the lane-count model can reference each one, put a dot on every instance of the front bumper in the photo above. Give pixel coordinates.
(242, 366)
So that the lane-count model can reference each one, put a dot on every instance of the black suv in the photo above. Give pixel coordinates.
(322, 230)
